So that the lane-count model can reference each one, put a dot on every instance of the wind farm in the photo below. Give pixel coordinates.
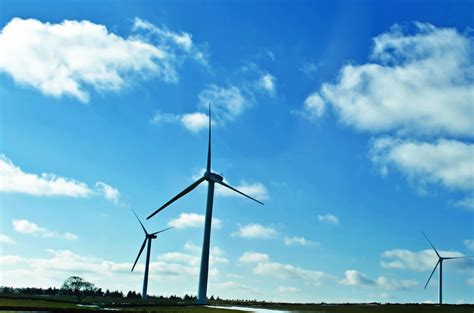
(343, 128)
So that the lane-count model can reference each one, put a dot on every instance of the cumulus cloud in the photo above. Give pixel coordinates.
(14, 179)
(419, 82)
(299, 241)
(187, 220)
(109, 192)
(285, 289)
(256, 190)
(67, 58)
(255, 231)
(446, 162)
(26, 227)
(267, 83)
(313, 107)
(227, 102)
(423, 260)
(328, 218)
(253, 257)
(6, 239)
(356, 278)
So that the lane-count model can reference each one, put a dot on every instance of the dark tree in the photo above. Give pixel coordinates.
(79, 287)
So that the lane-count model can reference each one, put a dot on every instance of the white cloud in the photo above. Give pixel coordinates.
(255, 231)
(309, 69)
(424, 260)
(9, 260)
(186, 220)
(466, 203)
(30, 228)
(262, 265)
(418, 83)
(313, 107)
(285, 290)
(253, 257)
(356, 278)
(194, 122)
(470, 281)
(14, 179)
(288, 271)
(267, 82)
(227, 102)
(469, 243)
(109, 192)
(256, 190)
(6, 239)
(299, 241)
(446, 162)
(65, 59)
(328, 218)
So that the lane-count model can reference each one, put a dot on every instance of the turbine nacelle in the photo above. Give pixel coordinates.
(209, 176)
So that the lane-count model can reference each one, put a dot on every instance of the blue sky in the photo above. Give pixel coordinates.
(352, 121)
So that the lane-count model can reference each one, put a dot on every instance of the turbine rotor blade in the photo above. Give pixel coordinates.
(139, 253)
(459, 257)
(436, 251)
(146, 233)
(431, 274)
(179, 195)
(160, 231)
(208, 168)
(243, 194)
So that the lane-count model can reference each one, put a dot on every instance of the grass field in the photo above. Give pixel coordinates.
(56, 305)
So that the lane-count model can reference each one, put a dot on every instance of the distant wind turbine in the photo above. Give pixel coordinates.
(212, 179)
(148, 238)
(440, 263)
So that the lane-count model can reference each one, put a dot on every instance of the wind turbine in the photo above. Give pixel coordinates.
(212, 179)
(148, 238)
(440, 263)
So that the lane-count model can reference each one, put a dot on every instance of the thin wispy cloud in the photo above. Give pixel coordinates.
(329, 218)
(6, 239)
(299, 241)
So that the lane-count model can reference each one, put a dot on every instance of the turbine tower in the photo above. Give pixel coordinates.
(148, 239)
(212, 179)
(440, 263)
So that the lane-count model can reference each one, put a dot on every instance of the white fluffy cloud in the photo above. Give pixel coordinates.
(262, 265)
(419, 82)
(227, 102)
(30, 228)
(186, 220)
(256, 190)
(446, 162)
(356, 278)
(6, 239)
(267, 82)
(253, 257)
(65, 59)
(109, 192)
(328, 218)
(14, 179)
(424, 260)
(299, 241)
(250, 231)
(195, 122)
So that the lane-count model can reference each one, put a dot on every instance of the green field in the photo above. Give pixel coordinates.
(54, 304)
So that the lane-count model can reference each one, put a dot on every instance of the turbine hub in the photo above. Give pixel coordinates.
(214, 177)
